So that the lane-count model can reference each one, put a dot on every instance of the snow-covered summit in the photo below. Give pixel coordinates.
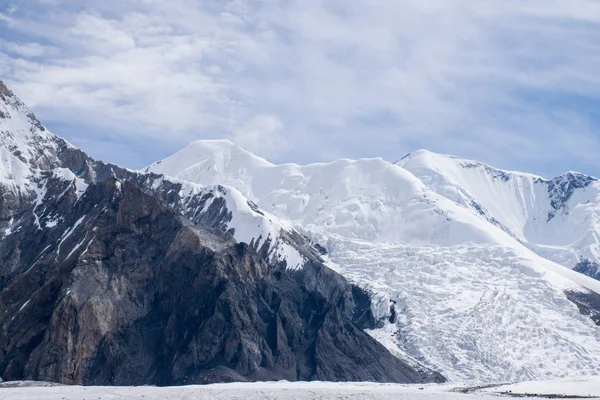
(219, 154)
(367, 199)
(25, 144)
(557, 218)
(427, 158)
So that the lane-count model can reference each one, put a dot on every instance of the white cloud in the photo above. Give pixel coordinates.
(5, 18)
(262, 135)
(27, 50)
(347, 78)
(109, 33)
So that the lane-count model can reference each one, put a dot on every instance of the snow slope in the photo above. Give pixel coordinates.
(557, 218)
(472, 301)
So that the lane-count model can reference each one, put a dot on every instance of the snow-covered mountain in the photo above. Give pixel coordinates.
(112, 276)
(463, 266)
(453, 290)
(557, 218)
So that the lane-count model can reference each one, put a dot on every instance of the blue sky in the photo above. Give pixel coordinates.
(512, 83)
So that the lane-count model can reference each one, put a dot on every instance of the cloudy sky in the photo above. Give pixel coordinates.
(510, 82)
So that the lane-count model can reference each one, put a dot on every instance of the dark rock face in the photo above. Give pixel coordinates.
(589, 268)
(126, 290)
(561, 189)
(588, 303)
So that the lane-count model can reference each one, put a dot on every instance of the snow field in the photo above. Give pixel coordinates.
(300, 391)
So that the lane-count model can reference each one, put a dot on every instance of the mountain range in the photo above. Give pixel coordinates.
(217, 265)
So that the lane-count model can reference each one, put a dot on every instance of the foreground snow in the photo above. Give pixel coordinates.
(584, 387)
(304, 390)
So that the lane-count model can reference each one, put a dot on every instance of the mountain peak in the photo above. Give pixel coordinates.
(214, 156)
(25, 144)
(578, 175)
(216, 146)
(428, 156)
(5, 91)
(416, 153)
(425, 159)
(224, 143)
(12, 108)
